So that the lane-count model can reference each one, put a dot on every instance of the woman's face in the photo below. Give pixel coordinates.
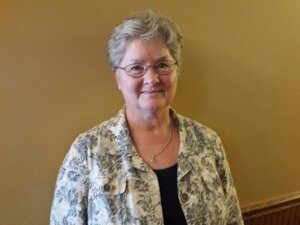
(151, 92)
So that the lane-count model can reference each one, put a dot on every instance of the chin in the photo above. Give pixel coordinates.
(154, 107)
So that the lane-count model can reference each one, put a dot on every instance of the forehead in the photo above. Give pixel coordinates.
(151, 51)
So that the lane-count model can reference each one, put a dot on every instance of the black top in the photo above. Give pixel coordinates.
(172, 211)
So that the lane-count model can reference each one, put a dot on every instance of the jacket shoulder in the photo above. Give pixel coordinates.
(102, 135)
(190, 125)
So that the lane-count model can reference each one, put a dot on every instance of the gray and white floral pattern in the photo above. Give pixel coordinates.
(103, 181)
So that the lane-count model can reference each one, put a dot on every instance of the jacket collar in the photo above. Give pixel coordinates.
(184, 162)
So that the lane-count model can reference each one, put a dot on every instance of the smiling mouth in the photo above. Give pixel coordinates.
(151, 92)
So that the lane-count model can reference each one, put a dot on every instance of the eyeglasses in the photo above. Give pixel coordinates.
(139, 69)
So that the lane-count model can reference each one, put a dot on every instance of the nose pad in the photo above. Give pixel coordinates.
(151, 77)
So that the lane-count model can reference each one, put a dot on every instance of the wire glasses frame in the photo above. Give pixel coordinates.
(136, 70)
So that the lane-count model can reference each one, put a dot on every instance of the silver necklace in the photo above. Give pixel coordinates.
(164, 148)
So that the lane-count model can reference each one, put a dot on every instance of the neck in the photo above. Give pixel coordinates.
(151, 121)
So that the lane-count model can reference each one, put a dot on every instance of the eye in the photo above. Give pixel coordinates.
(162, 65)
(135, 67)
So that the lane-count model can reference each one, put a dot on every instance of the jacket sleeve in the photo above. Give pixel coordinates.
(69, 206)
(234, 215)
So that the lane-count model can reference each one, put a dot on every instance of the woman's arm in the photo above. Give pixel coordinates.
(234, 216)
(70, 198)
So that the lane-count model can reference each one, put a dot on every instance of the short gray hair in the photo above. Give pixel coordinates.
(145, 26)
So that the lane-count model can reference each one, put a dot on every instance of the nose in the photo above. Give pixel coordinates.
(151, 77)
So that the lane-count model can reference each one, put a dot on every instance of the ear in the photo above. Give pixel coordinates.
(116, 77)
(115, 72)
(177, 71)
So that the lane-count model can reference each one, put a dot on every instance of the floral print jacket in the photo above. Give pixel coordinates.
(103, 181)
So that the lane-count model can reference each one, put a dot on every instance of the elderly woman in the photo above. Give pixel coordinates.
(148, 164)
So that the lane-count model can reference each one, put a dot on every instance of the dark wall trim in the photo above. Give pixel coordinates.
(284, 208)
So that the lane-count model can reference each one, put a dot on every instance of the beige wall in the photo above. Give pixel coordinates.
(240, 76)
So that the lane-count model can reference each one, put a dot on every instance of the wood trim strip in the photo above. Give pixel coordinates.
(270, 206)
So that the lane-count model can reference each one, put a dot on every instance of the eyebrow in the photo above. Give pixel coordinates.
(155, 61)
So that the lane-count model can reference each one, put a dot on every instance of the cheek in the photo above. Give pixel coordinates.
(172, 84)
(131, 86)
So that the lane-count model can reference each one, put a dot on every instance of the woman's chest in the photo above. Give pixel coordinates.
(134, 198)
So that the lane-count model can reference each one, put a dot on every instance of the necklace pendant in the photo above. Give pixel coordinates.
(153, 160)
